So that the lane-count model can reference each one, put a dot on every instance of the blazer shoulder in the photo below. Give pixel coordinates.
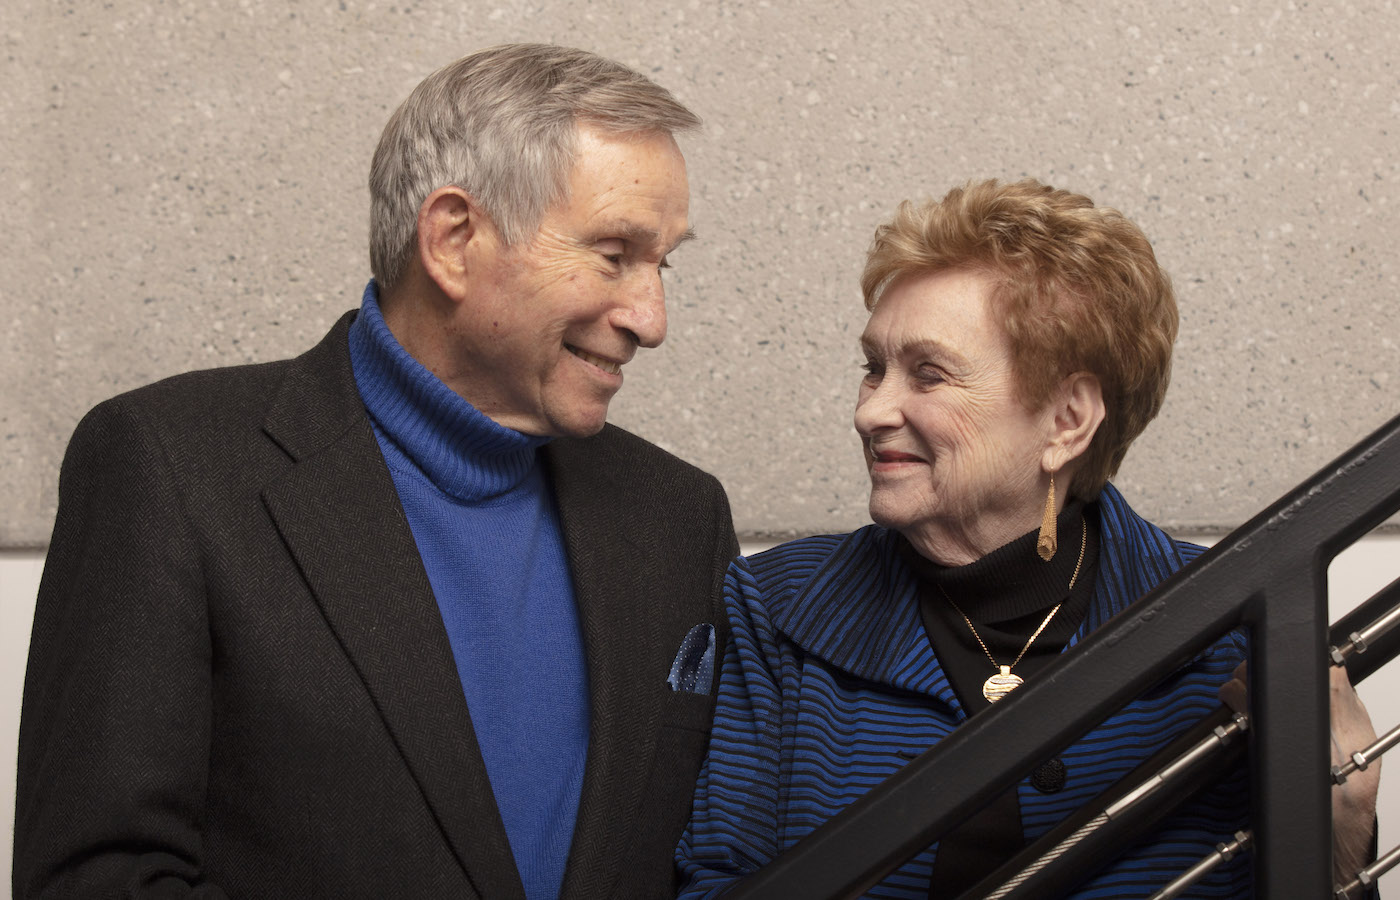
(224, 400)
(217, 434)
(624, 456)
(200, 393)
(617, 481)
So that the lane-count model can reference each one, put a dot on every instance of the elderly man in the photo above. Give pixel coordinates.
(401, 617)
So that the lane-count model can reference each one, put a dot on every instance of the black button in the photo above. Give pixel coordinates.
(1049, 778)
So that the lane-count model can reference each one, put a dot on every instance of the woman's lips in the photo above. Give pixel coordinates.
(893, 457)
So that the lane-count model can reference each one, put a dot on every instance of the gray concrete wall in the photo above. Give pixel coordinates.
(183, 186)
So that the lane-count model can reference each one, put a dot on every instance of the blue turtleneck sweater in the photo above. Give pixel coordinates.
(484, 520)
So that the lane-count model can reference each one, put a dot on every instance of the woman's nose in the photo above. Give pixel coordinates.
(878, 408)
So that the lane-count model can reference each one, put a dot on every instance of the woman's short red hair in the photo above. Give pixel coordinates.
(1077, 288)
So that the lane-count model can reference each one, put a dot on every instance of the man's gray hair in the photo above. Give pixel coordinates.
(500, 124)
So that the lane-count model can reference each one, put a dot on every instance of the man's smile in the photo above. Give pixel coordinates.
(607, 365)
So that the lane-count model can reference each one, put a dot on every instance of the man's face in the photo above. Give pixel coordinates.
(551, 321)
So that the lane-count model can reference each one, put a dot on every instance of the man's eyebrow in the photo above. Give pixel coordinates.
(640, 234)
(687, 235)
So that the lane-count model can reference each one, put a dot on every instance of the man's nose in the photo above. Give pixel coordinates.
(643, 310)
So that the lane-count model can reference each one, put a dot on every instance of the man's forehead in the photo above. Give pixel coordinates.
(629, 187)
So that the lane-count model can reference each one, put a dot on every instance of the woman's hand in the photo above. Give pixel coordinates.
(1353, 801)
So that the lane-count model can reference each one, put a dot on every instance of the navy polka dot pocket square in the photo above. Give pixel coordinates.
(694, 668)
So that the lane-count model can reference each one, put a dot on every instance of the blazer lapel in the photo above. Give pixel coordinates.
(612, 583)
(340, 516)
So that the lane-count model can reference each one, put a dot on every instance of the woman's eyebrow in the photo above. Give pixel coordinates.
(915, 347)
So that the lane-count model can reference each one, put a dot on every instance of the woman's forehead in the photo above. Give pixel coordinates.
(943, 313)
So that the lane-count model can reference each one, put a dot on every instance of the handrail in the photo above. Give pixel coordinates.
(1268, 575)
(1102, 829)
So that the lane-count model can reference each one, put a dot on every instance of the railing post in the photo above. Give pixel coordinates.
(1290, 753)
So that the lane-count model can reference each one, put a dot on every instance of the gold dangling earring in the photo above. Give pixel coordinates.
(1048, 541)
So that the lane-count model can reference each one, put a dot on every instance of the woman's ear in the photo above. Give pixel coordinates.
(449, 220)
(1076, 411)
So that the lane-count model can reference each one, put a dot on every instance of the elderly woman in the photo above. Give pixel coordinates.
(1019, 340)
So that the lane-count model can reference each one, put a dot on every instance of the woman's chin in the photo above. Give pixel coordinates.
(887, 512)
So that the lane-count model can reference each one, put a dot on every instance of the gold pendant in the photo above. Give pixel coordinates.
(1000, 684)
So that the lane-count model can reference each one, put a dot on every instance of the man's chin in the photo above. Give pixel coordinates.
(584, 431)
(577, 426)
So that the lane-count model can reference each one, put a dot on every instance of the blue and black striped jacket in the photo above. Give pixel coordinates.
(830, 682)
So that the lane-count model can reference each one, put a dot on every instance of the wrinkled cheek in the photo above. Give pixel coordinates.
(1001, 476)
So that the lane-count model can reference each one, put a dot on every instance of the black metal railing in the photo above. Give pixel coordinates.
(1269, 576)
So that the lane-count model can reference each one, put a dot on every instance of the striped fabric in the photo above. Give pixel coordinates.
(829, 686)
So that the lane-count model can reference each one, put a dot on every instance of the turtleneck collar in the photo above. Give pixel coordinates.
(456, 447)
(1011, 581)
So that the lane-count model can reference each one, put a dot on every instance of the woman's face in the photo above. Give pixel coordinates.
(954, 457)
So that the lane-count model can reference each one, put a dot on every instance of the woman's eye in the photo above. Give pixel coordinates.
(930, 375)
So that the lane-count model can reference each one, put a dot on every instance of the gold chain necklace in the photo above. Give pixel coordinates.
(1003, 682)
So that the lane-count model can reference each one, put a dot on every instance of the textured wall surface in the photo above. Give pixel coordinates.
(183, 186)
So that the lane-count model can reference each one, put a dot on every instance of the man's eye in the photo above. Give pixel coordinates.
(614, 258)
(664, 264)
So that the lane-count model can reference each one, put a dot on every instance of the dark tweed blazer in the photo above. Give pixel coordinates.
(240, 685)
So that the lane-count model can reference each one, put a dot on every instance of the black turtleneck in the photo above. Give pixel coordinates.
(1006, 595)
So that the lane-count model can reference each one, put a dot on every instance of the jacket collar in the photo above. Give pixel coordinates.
(1134, 557)
(340, 517)
(859, 610)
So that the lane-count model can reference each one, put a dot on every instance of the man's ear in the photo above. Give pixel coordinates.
(1076, 411)
(448, 222)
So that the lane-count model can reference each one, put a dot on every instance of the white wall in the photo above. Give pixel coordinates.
(1355, 575)
(19, 583)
